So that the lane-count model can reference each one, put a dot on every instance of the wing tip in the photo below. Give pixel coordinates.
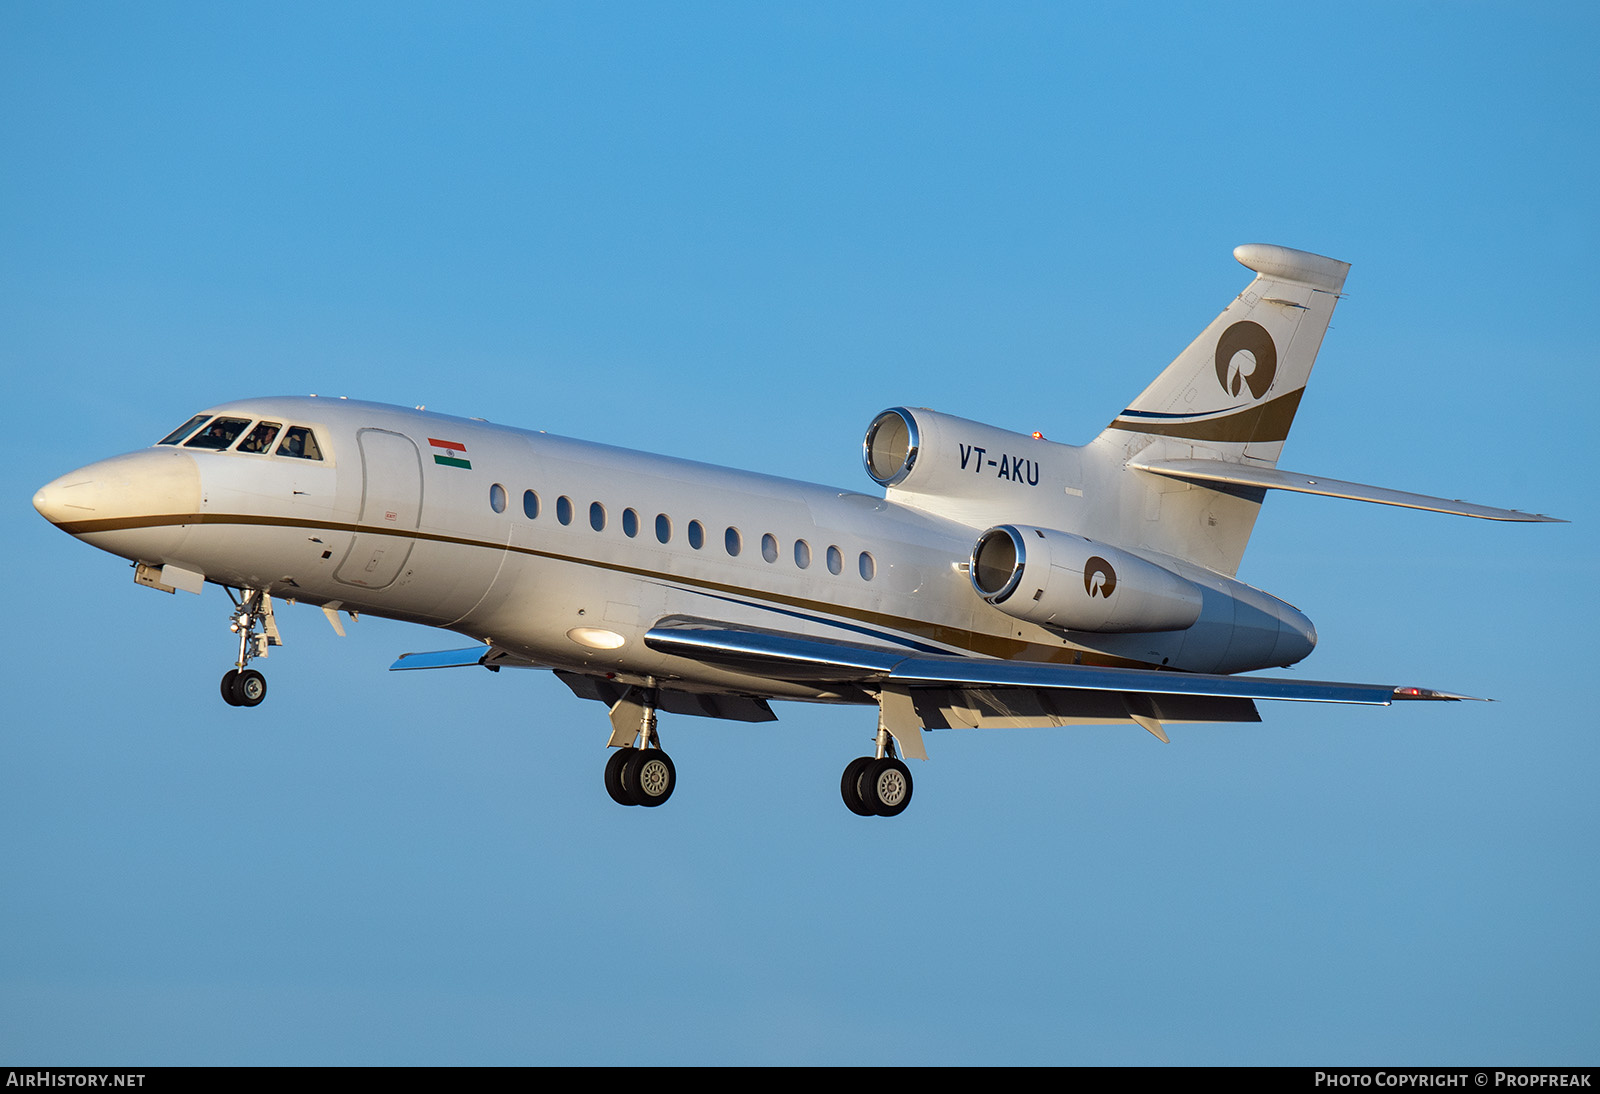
(442, 659)
(1434, 695)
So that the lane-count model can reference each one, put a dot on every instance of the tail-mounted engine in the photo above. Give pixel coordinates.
(965, 470)
(1061, 580)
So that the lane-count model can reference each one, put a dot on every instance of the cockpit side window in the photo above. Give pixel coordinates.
(219, 434)
(183, 430)
(300, 442)
(260, 438)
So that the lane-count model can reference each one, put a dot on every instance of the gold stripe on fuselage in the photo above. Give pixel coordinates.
(990, 645)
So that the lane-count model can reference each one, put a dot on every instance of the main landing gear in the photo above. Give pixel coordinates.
(877, 786)
(253, 623)
(641, 775)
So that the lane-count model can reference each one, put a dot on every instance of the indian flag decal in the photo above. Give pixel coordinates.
(450, 453)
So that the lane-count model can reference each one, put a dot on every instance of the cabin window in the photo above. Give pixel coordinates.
(697, 534)
(564, 509)
(530, 504)
(663, 528)
(802, 553)
(219, 434)
(497, 498)
(867, 566)
(835, 560)
(597, 516)
(260, 438)
(184, 430)
(301, 443)
(630, 523)
(769, 547)
(733, 541)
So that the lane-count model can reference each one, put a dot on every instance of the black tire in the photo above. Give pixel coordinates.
(614, 765)
(886, 787)
(228, 679)
(650, 776)
(850, 787)
(249, 688)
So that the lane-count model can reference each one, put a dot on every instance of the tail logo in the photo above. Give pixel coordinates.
(1246, 357)
(1099, 578)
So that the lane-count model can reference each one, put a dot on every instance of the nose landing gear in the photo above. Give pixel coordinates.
(252, 621)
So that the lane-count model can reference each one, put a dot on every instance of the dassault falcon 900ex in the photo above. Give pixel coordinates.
(1000, 580)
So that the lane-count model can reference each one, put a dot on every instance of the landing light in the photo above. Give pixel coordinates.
(597, 638)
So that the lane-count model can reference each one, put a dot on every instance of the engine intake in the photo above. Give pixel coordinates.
(1061, 580)
(890, 449)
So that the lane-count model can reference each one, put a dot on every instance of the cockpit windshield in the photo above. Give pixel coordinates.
(219, 434)
(183, 430)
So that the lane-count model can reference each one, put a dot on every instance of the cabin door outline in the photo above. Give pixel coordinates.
(391, 497)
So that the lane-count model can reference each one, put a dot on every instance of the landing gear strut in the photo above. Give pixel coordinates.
(252, 621)
(638, 773)
(879, 785)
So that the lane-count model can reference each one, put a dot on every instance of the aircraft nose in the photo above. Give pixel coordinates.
(105, 496)
(67, 498)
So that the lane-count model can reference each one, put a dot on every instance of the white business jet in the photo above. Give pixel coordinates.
(1000, 579)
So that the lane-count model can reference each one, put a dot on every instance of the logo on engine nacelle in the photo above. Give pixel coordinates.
(1099, 577)
(1246, 357)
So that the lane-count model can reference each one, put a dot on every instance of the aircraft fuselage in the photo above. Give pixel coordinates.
(566, 552)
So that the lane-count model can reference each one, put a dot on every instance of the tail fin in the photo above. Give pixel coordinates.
(1235, 390)
(1230, 396)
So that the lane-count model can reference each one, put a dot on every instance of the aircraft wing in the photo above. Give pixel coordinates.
(919, 690)
(490, 657)
(796, 657)
(801, 658)
(1272, 478)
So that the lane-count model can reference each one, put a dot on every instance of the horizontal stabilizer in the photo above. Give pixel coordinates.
(1272, 478)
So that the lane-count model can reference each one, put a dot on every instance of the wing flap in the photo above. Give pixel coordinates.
(1031, 708)
(736, 708)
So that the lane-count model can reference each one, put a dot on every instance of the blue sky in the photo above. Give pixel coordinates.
(735, 234)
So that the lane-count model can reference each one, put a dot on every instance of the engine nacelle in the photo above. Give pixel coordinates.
(1061, 580)
(963, 470)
